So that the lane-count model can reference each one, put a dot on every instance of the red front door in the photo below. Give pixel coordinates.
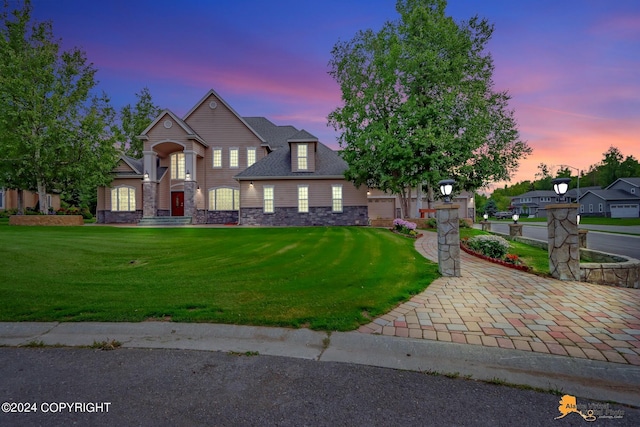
(177, 203)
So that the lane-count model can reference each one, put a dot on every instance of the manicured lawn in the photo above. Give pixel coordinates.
(324, 278)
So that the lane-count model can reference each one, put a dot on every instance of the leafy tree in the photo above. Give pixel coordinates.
(54, 133)
(134, 120)
(419, 104)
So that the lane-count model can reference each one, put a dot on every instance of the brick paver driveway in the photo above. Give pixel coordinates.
(495, 306)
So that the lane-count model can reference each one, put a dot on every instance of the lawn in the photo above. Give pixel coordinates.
(332, 278)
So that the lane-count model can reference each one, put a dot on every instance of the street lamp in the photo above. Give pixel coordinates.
(561, 185)
(515, 218)
(485, 216)
(446, 188)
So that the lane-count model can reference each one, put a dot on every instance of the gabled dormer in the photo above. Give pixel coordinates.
(303, 147)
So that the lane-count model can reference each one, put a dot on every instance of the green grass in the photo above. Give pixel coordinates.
(332, 278)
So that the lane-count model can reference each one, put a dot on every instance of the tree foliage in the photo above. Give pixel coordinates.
(419, 104)
(134, 120)
(54, 134)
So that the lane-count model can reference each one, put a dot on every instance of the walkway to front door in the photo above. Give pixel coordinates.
(177, 203)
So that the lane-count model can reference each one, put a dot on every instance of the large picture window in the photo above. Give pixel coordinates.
(336, 198)
(224, 199)
(177, 166)
(302, 157)
(303, 198)
(123, 199)
(267, 194)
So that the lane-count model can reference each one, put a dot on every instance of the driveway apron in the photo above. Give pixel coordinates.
(495, 306)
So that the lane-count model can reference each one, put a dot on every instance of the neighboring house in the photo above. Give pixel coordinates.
(619, 200)
(385, 205)
(217, 167)
(533, 203)
(9, 200)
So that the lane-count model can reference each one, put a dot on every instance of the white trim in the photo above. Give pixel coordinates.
(117, 190)
(213, 157)
(303, 207)
(255, 155)
(334, 200)
(237, 151)
(272, 199)
(235, 199)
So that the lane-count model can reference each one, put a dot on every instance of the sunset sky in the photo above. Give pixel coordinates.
(572, 67)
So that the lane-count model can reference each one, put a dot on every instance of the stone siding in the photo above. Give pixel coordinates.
(351, 215)
(448, 240)
(109, 217)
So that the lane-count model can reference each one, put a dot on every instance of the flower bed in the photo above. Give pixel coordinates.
(406, 228)
(510, 260)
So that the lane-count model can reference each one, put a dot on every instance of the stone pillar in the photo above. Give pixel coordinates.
(582, 238)
(564, 249)
(448, 240)
(149, 199)
(515, 230)
(486, 225)
(190, 206)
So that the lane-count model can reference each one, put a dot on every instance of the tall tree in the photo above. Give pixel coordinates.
(134, 120)
(419, 104)
(53, 131)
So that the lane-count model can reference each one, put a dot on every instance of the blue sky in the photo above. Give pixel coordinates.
(572, 67)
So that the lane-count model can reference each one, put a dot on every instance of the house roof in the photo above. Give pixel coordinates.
(633, 181)
(137, 166)
(612, 195)
(191, 134)
(536, 193)
(273, 135)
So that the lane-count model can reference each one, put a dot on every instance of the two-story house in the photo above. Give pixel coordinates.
(533, 203)
(217, 167)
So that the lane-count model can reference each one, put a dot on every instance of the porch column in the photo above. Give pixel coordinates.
(149, 198)
(448, 239)
(150, 165)
(564, 249)
(190, 207)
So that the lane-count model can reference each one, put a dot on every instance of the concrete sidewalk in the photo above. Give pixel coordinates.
(589, 379)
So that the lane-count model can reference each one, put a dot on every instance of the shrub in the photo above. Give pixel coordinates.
(432, 223)
(491, 246)
(403, 226)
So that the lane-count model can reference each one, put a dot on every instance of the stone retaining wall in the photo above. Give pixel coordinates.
(46, 220)
(351, 215)
(601, 268)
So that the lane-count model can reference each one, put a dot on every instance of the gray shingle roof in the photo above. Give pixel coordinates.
(612, 195)
(633, 181)
(276, 136)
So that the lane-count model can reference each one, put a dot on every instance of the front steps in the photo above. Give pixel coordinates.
(165, 221)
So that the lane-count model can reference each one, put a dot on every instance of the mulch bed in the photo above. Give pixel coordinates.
(494, 260)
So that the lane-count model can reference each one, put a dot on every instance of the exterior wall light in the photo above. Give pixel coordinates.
(251, 184)
(515, 218)
(561, 185)
(446, 188)
(146, 176)
(187, 176)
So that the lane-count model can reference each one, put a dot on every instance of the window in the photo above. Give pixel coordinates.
(303, 198)
(581, 208)
(233, 157)
(302, 156)
(599, 207)
(336, 198)
(590, 207)
(177, 166)
(224, 199)
(217, 157)
(267, 195)
(1, 198)
(251, 156)
(123, 199)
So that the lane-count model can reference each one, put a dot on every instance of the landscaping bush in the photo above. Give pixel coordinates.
(403, 226)
(491, 246)
(432, 223)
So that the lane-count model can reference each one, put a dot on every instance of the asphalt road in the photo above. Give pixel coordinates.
(177, 387)
(620, 244)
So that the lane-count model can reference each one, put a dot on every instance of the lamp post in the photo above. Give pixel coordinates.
(448, 232)
(515, 229)
(562, 226)
(486, 225)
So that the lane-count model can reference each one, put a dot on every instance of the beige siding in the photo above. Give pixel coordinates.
(311, 156)
(286, 193)
(123, 167)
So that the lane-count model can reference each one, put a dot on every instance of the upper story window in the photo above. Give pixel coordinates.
(336, 198)
(217, 157)
(233, 157)
(267, 195)
(123, 199)
(303, 198)
(251, 156)
(302, 157)
(177, 166)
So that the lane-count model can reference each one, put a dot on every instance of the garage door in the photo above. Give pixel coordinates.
(624, 211)
(381, 208)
